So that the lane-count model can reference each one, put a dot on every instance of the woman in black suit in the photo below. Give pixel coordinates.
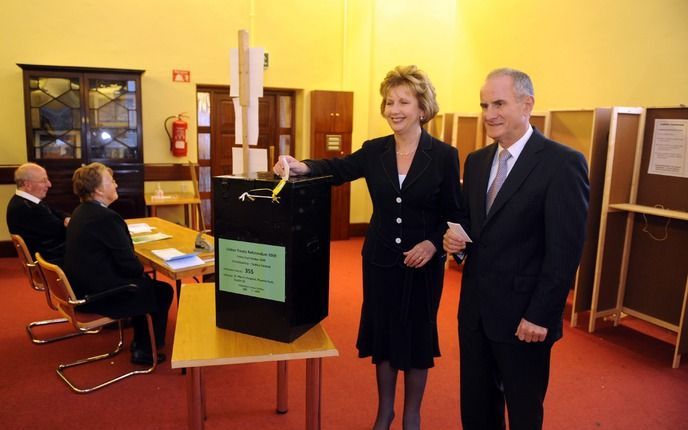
(100, 256)
(413, 181)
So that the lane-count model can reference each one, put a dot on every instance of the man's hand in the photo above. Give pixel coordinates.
(452, 243)
(66, 221)
(529, 332)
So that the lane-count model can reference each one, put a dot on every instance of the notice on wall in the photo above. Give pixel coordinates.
(669, 156)
(251, 269)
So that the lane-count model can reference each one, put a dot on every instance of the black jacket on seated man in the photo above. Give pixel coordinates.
(100, 256)
(41, 227)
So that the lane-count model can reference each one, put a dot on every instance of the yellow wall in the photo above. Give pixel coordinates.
(580, 53)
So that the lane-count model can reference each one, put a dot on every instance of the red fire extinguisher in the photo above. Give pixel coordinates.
(177, 135)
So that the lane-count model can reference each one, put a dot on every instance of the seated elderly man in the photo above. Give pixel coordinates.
(42, 228)
(100, 256)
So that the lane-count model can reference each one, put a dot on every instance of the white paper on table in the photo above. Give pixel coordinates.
(139, 228)
(177, 259)
(252, 111)
(257, 160)
(456, 228)
(255, 72)
(168, 254)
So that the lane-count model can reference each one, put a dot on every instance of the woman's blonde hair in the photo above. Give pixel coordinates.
(418, 82)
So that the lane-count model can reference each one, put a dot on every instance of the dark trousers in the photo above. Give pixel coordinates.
(150, 297)
(162, 294)
(496, 374)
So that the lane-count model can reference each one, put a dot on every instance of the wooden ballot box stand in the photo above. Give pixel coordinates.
(272, 254)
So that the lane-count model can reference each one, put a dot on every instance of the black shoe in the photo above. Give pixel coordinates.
(139, 356)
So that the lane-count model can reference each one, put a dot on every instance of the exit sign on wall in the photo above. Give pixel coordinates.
(181, 75)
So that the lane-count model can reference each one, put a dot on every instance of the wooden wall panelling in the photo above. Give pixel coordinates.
(7, 174)
(167, 172)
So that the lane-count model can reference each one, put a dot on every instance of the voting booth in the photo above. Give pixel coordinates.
(272, 254)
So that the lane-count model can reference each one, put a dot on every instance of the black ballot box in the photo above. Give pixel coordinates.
(272, 255)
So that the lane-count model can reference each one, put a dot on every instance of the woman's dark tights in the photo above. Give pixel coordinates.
(414, 387)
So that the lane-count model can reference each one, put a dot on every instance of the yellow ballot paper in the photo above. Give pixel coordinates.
(285, 176)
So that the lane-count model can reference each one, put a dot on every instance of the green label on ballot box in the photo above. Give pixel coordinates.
(251, 269)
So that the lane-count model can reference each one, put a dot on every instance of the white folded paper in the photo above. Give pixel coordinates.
(456, 228)
(139, 228)
(285, 167)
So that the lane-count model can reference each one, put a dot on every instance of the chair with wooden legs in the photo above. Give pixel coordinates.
(37, 283)
(197, 222)
(68, 305)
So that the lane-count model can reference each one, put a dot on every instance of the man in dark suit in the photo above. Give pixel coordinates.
(42, 228)
(525, 206)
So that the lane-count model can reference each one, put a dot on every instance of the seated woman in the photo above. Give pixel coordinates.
(100, 256)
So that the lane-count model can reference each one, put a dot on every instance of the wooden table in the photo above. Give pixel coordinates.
(199, 343)
(188, 200)
(183, 239)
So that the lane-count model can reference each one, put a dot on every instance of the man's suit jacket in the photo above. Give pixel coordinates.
(525, 252)
(100, 254)
(402, 216)
(41, 227)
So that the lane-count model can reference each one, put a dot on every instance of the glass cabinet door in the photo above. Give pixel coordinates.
(113, 119)
(55, 117)
(77, 115)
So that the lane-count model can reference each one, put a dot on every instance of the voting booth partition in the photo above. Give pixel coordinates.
(272, 254)
(641, 253)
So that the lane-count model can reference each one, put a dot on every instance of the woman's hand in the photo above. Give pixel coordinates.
(419, 255)
(296, 167)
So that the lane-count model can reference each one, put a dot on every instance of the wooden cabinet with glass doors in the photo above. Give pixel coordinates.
(78, 115)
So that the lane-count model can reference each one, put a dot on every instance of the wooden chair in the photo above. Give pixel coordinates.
(196, 209)
(37, 283)
(68, 304)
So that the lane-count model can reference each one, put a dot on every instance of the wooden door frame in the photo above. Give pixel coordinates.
(218, 89)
